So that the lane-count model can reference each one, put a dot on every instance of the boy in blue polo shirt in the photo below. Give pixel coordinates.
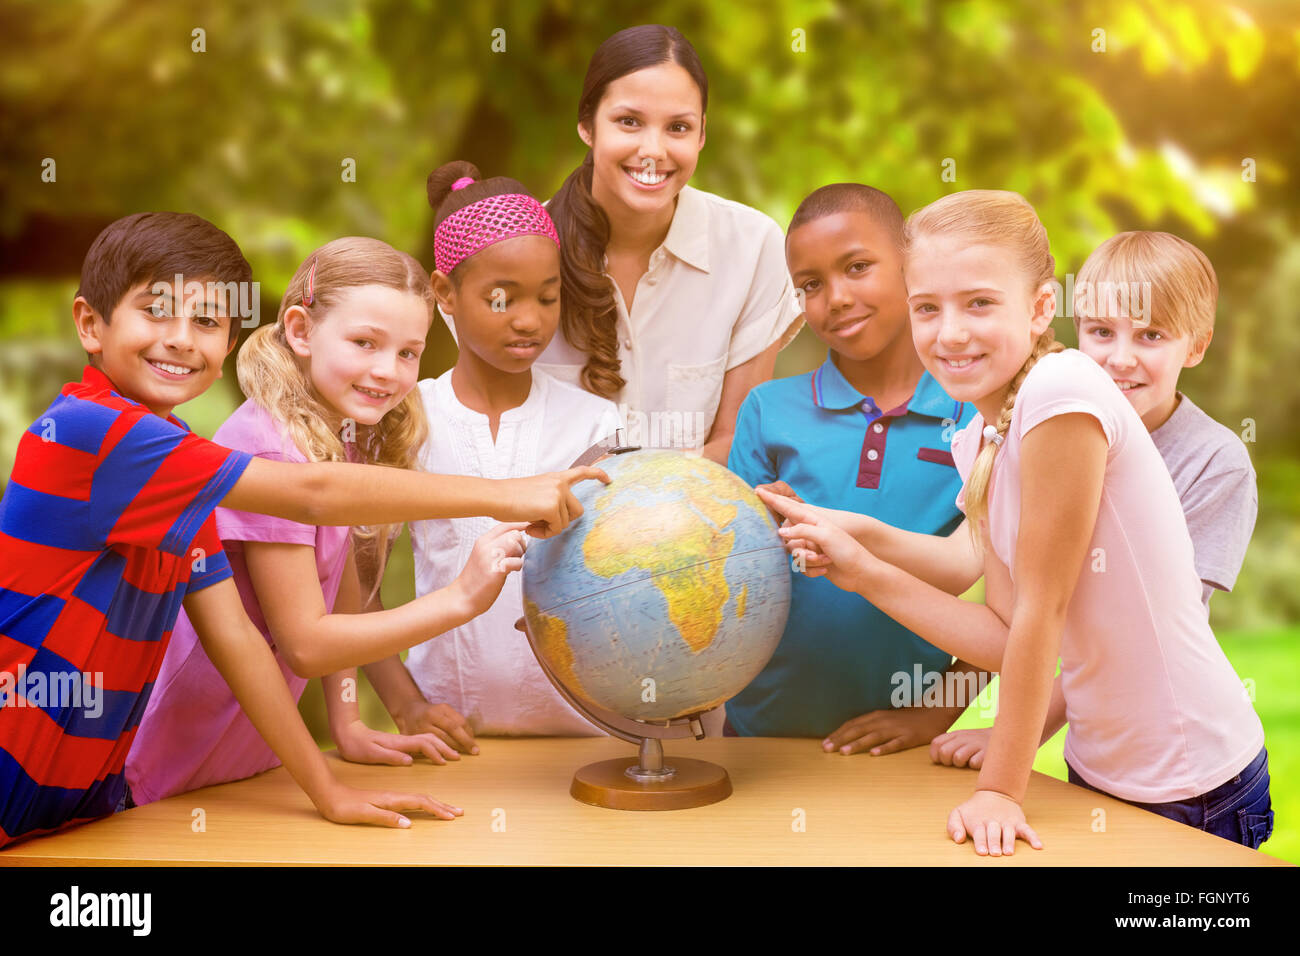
(868, 431)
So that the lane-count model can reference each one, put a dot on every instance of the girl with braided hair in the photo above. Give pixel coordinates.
(1077, 529)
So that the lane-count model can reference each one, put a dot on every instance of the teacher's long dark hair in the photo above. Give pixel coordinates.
(587, 309)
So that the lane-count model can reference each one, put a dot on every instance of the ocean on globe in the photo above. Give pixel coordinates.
(668, 596)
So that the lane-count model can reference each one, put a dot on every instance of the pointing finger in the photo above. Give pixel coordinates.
(574, 475)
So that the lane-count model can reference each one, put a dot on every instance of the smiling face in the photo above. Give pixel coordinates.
(1144, 362)
(507, 304)
(850, 272)
(363, 354)
(156, 351)
(646, 137)
(975, 317)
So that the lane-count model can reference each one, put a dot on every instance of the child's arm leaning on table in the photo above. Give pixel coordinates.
(390, 679)
(240, 653)
(1062, 467)
(888, 731)
(412, 713)
(966, 747)
(356, 741)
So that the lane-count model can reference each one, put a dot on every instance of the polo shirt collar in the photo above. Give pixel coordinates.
(832, 390)
(930, 399)
(688, 236)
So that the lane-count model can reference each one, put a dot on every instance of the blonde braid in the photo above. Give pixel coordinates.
(977, 485)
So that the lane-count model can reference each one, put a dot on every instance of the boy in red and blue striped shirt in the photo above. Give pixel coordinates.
(107, 528)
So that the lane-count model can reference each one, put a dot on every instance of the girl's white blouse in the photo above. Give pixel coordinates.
(717, 294)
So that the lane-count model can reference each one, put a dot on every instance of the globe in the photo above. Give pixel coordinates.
(667, 596)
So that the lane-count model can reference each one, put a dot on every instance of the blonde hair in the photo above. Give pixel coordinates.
(1157, 272)
(1001, 218)
(271, 374)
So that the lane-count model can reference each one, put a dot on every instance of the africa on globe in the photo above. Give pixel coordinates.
(667, 597)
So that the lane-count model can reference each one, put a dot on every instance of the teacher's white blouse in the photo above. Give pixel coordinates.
(717, 294)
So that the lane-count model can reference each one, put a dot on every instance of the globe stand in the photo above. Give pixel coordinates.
(643, 782)
(646, 782)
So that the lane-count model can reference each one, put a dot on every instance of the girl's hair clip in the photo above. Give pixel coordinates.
(309, 292)
(991, 434)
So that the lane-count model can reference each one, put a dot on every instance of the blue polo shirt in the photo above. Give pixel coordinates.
(837, 449)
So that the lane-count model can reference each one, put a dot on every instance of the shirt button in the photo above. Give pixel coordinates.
(872, 454)
(877, 428)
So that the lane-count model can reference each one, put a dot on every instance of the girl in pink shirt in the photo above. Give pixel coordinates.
(331, 380)
(1076, 526)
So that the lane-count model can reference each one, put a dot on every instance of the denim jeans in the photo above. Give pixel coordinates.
(1239, 810)
(125, 803)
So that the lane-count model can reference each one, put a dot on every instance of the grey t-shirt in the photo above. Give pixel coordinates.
(1216, 485)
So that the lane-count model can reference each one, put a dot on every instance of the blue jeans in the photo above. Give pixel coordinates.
(1239, 810)
(126, 803)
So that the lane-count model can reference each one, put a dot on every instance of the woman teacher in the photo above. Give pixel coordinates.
(674, 301)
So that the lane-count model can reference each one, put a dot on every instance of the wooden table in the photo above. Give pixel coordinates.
(859, 810)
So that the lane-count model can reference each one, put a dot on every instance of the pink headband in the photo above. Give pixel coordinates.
(473, 228)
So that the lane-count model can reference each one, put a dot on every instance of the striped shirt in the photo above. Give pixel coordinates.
(105, 525)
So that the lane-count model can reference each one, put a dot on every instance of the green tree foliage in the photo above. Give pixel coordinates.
(1107, 115)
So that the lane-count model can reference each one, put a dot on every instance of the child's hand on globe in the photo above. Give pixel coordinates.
(496, 553)
(818, 545)
(545, 503)
(778, 488)
(797, 545)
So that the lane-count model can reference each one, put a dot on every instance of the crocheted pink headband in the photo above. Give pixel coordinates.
(473, 228)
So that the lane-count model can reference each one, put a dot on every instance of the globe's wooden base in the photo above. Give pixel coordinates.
(695, 784)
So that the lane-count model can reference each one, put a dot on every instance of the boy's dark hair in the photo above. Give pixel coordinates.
(155, 247)
(855, 197)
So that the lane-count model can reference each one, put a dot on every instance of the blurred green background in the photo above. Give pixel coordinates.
(1106, 115)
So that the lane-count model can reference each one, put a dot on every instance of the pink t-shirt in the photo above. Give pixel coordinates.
(1156, 712)
(194, 732)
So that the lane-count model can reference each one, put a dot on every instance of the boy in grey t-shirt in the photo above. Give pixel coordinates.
(1216, 485)
(1144, 309)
